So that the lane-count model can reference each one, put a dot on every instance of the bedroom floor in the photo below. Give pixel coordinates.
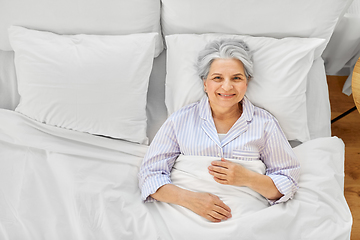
(348, 129)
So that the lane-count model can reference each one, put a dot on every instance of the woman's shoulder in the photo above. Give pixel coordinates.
(259, 111)
(263, 115)
(265, 118)
(191, 109)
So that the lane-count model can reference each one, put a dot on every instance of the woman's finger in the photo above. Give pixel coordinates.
(222, 163)
(220, 170)
(218, 175)
(221, 210)
(217, 215)
(212, 219)
(222, 181)
(221, 204)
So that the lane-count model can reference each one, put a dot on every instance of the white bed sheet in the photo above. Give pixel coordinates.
(60, 184)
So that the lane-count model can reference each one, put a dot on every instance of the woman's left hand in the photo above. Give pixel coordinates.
(226, 172)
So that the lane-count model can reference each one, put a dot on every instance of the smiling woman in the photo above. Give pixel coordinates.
(225, 79)
(225, 66)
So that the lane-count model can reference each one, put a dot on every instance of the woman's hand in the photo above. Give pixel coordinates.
(208, 206)
(226, 172)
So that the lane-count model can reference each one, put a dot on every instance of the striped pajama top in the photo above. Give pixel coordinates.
(191, 131)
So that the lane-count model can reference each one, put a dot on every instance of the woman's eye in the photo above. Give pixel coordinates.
(217, 78)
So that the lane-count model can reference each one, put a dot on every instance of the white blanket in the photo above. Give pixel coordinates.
(190, 172)
(312, 214)
(59, 184)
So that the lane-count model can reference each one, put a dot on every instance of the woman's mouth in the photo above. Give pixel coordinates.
(226, 95)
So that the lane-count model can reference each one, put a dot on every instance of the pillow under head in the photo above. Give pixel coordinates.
(281, 67)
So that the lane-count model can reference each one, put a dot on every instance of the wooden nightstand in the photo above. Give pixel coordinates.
(355, 84)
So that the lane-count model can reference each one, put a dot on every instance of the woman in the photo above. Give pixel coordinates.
(223, 124)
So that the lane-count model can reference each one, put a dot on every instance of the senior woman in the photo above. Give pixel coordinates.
(223, 124)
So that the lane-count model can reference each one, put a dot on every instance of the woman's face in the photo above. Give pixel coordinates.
(226, 84)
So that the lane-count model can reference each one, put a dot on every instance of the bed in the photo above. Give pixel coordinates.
(85, 85)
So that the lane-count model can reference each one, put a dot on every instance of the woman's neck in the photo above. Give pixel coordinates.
(224, 114)
(226, 118)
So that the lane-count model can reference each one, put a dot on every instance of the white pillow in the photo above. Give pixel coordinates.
(88, 83)
(105, 17)
(281, 67)
(276, 18)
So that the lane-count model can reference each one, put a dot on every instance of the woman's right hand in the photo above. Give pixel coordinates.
(204, 204)
(208, 206)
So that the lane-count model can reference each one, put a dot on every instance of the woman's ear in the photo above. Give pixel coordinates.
(204, 82)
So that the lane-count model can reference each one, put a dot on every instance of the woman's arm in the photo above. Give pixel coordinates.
(206, 205)
(282, 166)
(155, 182)
(158, 161)
(264, 185)
(282, 169)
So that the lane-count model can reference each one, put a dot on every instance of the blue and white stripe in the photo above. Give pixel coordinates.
(191, 131)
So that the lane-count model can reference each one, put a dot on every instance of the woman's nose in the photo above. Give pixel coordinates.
(227, 85)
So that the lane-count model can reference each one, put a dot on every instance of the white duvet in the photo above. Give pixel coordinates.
(61, 184)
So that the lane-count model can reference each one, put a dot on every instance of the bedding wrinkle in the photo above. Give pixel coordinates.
(76, 143)
(51, 193)
(14, 170)
(109, 197)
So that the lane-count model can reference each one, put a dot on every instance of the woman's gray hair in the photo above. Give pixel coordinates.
(224, 48)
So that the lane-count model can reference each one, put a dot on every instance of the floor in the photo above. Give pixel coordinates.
(348, 129)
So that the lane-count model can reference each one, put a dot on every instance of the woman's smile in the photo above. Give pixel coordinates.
(226, 95)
